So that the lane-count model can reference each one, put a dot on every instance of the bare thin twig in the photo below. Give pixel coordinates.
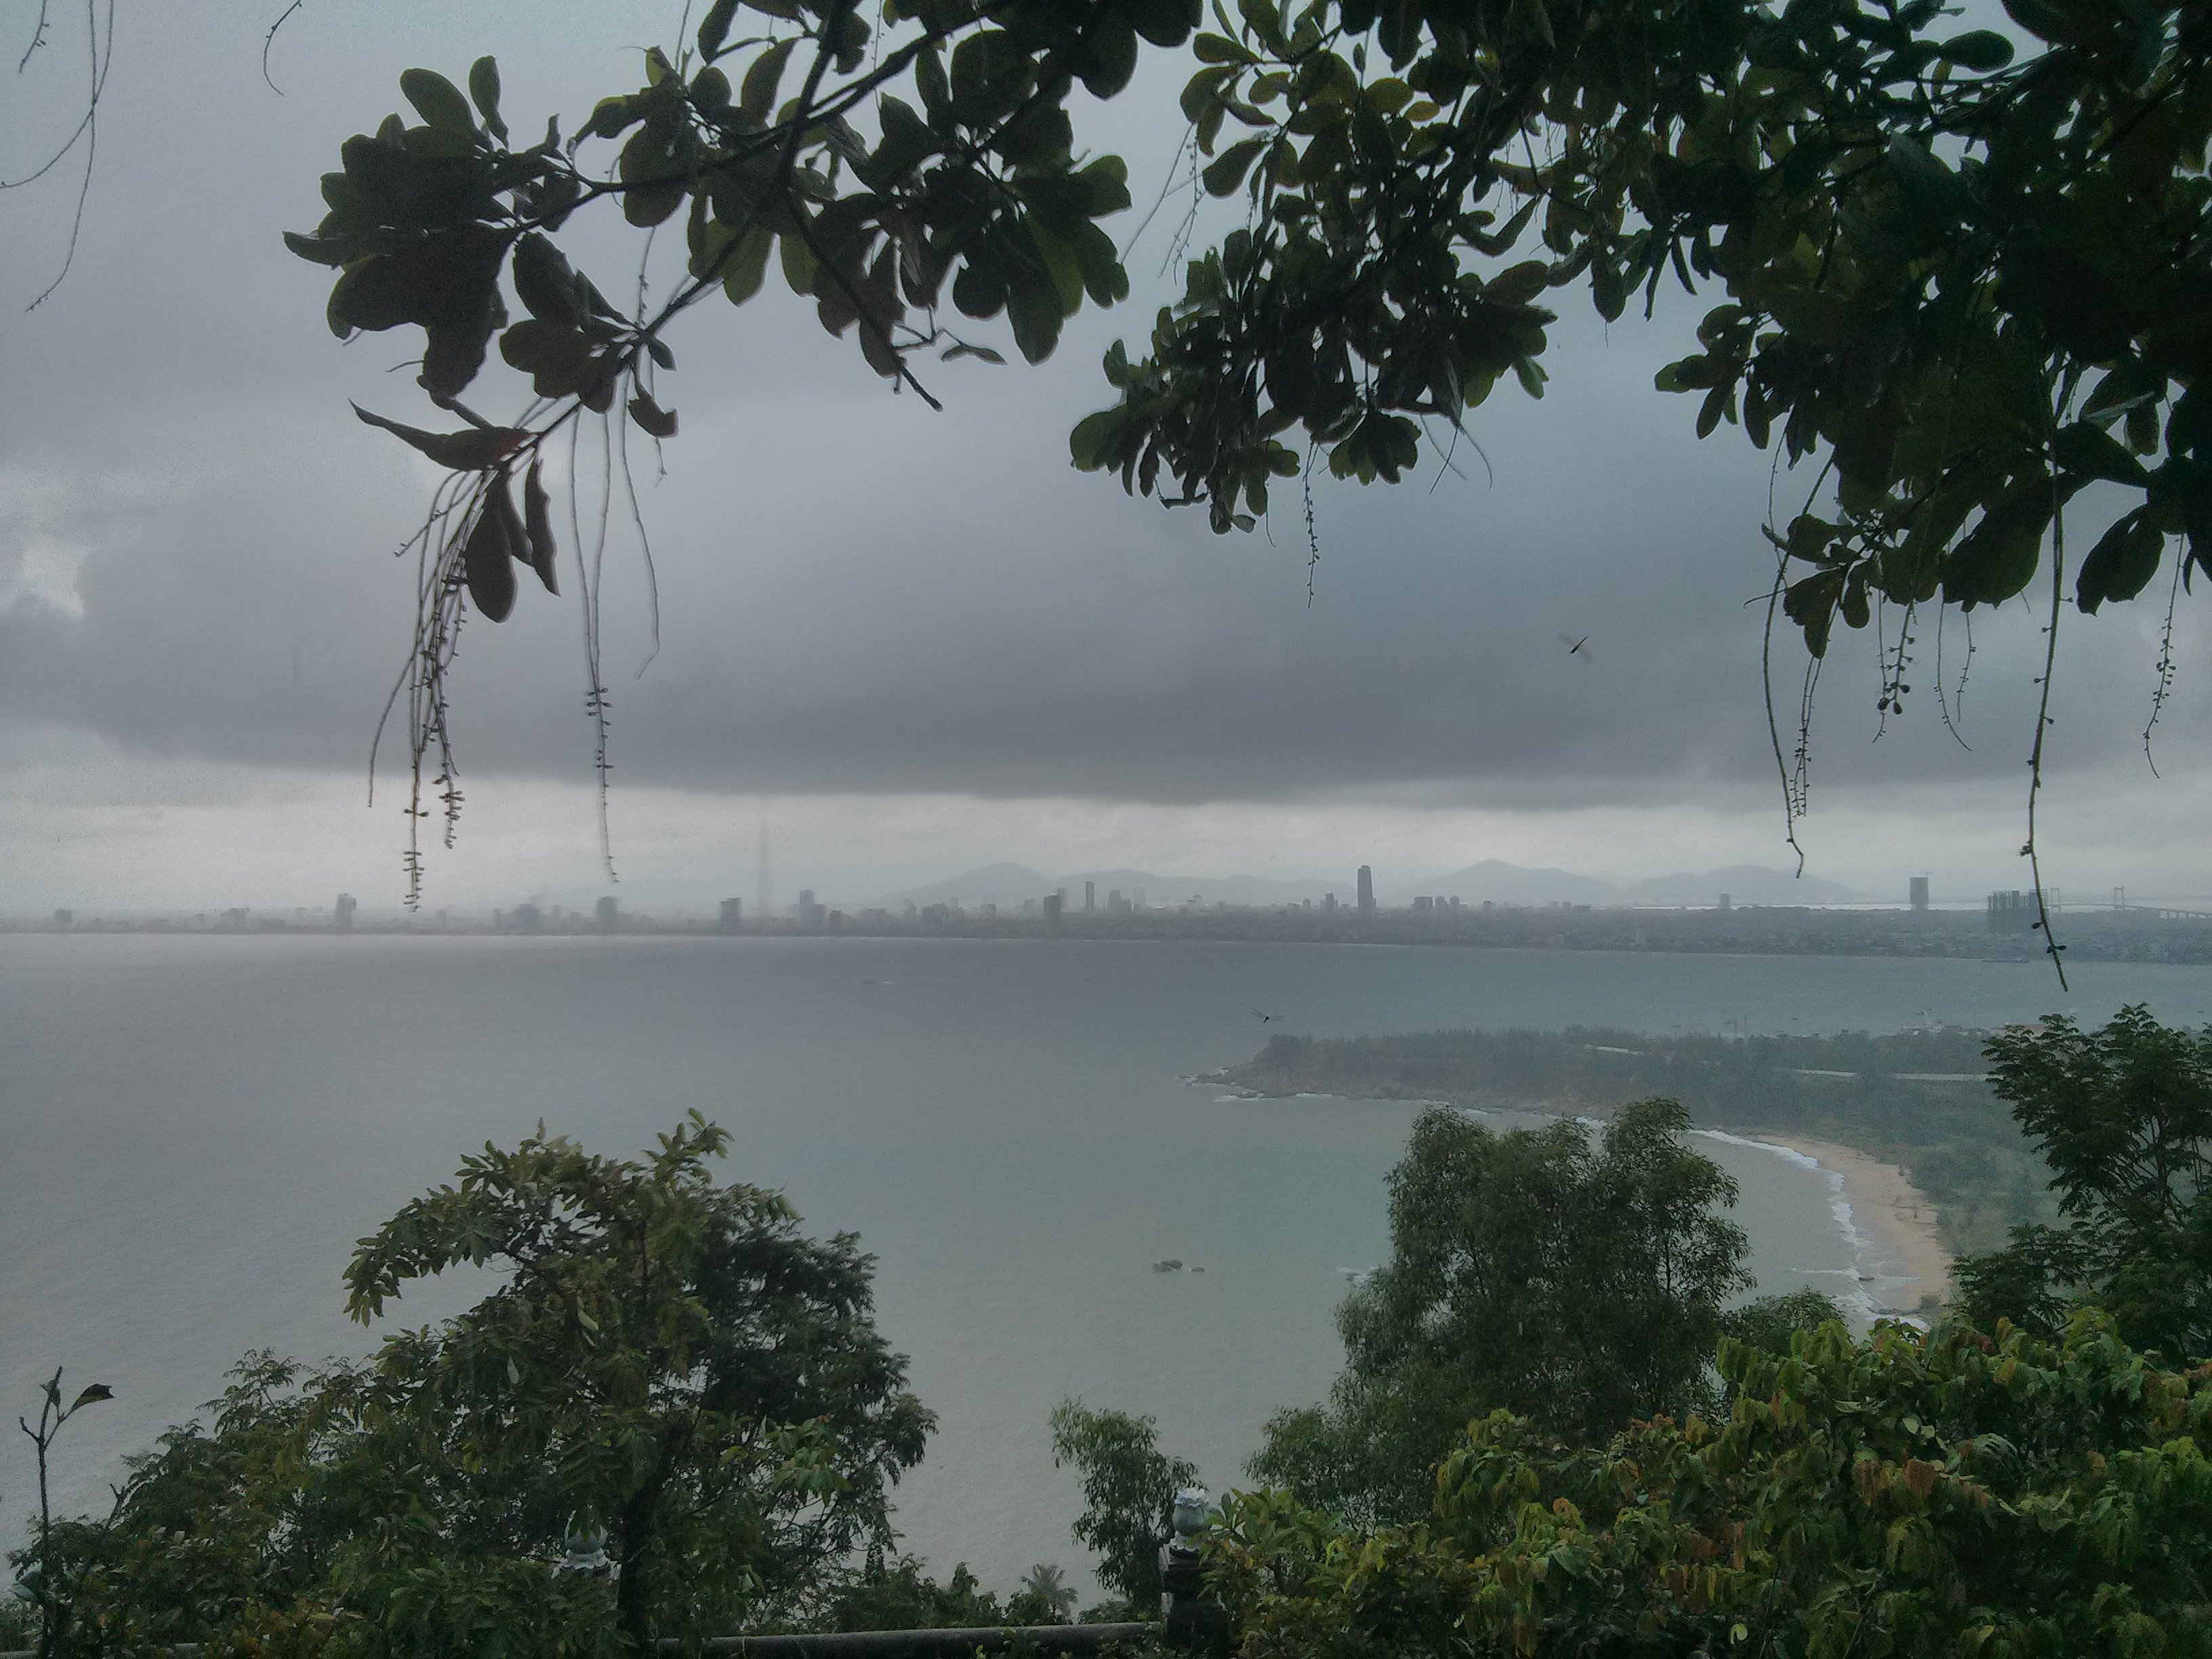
(100, 53)
(270, 39)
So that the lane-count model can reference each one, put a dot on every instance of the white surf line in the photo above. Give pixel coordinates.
(1866, 1263)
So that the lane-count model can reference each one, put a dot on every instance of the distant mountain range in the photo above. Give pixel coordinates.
(1008, 884)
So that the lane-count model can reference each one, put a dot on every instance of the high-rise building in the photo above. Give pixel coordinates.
(1916, 890)
(1053, 904)
(609, 914)
(1726, 904)
(734, 916)
(342, 912)
(1328, 903)
(1366, 888)
(1090, 897)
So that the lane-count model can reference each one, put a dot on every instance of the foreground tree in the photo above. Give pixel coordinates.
(1967, 288)
(668, 1362)
(1128, 1498)
(1577, 1284)
(2124, 1117)
(1906, 1494)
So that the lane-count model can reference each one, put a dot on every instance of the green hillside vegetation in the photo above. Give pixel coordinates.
(1918, 1099)
(675, 1419)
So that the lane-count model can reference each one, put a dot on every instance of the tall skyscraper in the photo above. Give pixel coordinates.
(734, 915)
(1366, 888)
(1916, 887)
(1090, 897)
(763, 900)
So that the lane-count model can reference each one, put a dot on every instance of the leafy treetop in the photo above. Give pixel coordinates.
(1969, 287)
(2124, 1118)
(667, 1361)
(1578, 1282)
(1907, 1494)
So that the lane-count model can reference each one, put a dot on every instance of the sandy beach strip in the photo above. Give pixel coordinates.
(1896, 1219)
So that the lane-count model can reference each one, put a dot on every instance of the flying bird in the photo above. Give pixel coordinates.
(1575, 646)
(1265, 1020)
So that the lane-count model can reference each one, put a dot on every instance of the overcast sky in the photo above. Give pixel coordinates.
(909, 641)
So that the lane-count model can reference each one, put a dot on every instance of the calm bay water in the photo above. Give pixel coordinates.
(193, 1131)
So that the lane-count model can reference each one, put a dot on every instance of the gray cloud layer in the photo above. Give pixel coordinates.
(858, 595)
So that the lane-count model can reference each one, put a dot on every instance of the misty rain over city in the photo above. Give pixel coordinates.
(899, 829)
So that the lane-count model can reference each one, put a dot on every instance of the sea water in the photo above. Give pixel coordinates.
(195, 1130)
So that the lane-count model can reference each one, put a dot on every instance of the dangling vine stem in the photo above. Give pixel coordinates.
(2051, 947)
(2164, 662)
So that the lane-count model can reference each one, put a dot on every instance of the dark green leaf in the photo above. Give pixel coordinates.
(1227, 170)
(437, 101)
(649, 415)
(2122, 563)
(2088, 451)
(487, 563)
(714, 27)
(1518, 284)
(472, 449)
(557, 358)
(538, 528)
(1977, 49)
(1033, 307)
(483, 91)
(545, 282)
(757, 92)
(743, 267)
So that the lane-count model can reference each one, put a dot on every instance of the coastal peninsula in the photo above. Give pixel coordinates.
(1931, 1162)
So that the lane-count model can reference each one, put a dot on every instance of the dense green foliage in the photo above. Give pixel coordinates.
(1769, 1323)
(1128, 1495)
(1969, 288)
(1580, 1284)
(1907, 1494)
(965, 199)
(666, 1359)
(1895, 1097)
(2124, 1117)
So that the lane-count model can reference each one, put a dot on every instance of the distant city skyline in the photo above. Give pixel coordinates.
(979, 654)
(1016, 890)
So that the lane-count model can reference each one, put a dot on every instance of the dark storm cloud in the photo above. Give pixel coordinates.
(859, 595)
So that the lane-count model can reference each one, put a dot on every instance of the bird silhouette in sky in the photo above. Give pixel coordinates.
(1575, 646)
(1265, 1020)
